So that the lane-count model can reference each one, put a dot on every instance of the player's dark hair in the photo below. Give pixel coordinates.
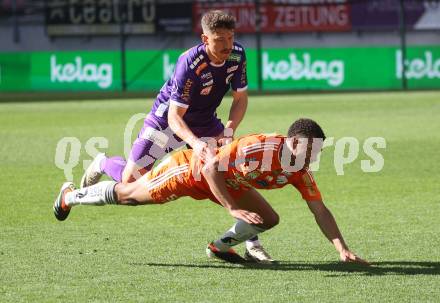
(306, 128)
(217, 19)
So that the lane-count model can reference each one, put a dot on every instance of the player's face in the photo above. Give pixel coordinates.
(219, 44)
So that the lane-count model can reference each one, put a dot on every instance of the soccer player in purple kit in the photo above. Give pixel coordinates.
(185, 110)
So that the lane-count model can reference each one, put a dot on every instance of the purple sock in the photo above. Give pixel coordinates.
(113, 167)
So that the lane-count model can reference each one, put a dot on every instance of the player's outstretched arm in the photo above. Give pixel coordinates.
(217, 185)
(329, 228)
(236, 114)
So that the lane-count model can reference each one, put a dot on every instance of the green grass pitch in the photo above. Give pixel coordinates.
(156, 253)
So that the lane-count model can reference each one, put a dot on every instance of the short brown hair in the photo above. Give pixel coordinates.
(217, 19)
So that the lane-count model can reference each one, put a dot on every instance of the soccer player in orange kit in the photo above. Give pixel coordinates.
(263, 161)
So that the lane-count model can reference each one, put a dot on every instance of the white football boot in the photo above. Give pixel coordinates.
(259, 255)
(93, 173)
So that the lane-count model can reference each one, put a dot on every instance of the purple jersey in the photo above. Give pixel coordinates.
(200, 85)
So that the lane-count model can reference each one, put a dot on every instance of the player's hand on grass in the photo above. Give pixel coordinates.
(247, 216)
(348, 257)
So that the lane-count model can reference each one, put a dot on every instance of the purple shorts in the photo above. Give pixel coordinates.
(156, 139)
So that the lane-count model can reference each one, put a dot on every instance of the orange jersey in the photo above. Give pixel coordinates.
(255, 161)
(250, 161)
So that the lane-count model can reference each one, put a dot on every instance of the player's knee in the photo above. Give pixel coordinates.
(272, 220)
(124, 194)
(127, 178)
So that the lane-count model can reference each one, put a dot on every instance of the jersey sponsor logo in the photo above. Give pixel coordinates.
(234, 57)
(196, 61)
(210, 82)
(187, 90)
(206, 76)
(232, 69)
(228, 78)
(206, 91)
(200, 68)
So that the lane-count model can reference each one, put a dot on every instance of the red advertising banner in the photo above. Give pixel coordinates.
(243, 12)
(281, 17)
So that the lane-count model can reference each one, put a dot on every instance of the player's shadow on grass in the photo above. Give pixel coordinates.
(335, 269)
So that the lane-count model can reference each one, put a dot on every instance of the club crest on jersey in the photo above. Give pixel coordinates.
(206, 91)
(228, 78)
(232, 69)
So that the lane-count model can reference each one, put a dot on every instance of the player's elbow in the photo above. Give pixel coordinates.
(210, 169)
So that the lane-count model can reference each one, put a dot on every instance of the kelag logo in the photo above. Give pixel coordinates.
(80, 71)
(167, 67)
(305, 68)
(426, 66)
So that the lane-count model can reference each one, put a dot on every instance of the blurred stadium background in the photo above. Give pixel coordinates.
(73, 49)
(296, 45)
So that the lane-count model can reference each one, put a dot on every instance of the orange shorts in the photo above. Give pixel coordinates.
(167, 183)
